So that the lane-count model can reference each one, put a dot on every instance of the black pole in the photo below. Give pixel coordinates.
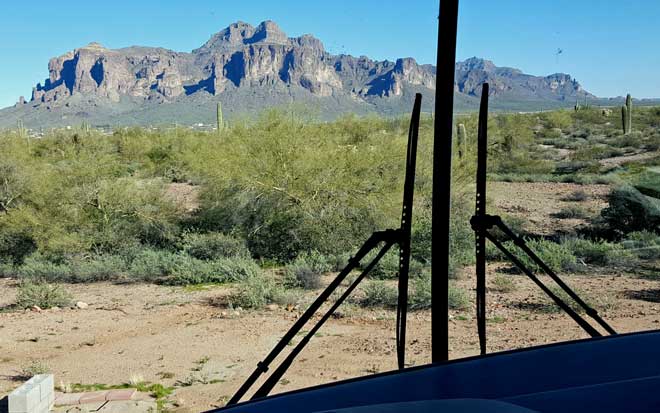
(480, 211)
(442, 154)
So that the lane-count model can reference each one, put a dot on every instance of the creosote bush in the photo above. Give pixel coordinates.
(379, 293)
(256, 292)
(42, 295)
(306, 270)
(209, 246)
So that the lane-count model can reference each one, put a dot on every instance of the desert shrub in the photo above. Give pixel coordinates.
(33, 368)
(73, 269)
(15, 245)
(556, 256)
(380, 293)
(589, 153)
(306, 270)
(152, 265)
(420, 296)
(503, 284)
(272, 225)
(37, 267)
(188, 270)
(644, 244)
(42, 295)
(524, 164)
(96, 268)
(255, 292)
(388, 266)
(630, 211)
(338, 262)
(600, 252)
(576, 196)
(572, 212)
(574, 166)
(212, 245)
(560, 119)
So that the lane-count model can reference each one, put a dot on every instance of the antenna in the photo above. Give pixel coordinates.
(442, 153)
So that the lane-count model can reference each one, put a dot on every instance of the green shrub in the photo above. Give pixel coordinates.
(576, 196)
(306, 270)
(153, 265)
(591, 252)
(572, 212)
(42, 295)
(338, 262)
(503, 284)
(188, 271)
(556, 256)
(96, 268)
(37, 267)
(388, 266)
(212, 245)
(644, 244)
(15, 246)
(420, 297)
(630, 211)
(379, 294)
(255, 292)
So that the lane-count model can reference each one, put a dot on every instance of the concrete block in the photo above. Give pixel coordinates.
(34, 396)
(46, 385)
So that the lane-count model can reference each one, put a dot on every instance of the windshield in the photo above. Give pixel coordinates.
(169, 210)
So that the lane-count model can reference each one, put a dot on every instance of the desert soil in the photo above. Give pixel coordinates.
(162, 333)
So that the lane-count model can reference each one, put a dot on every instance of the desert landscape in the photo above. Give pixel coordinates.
(166, 216)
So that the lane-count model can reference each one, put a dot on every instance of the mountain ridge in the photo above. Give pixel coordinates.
(255, 67)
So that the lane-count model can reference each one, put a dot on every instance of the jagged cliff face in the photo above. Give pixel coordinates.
(243, 56)
(472, 73)
(251, 68)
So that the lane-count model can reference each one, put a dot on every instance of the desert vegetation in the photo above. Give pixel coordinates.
(178, 236)
(273, 204)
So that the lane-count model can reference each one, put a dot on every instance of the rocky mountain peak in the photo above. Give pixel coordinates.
(475, 63)
(262, 61)
(240, 34)
(269, 32)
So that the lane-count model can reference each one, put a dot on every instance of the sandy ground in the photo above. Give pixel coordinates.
(177, 337)
(538, 202)
(162, 333)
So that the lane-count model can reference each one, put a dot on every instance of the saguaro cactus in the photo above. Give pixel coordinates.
(219, 119)
(461, 138)
(629, 112)
(626, 115)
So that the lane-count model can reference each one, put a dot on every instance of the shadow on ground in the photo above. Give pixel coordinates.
(650, 295)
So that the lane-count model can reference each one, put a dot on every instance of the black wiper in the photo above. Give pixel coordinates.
(482, 223)
(387, 238)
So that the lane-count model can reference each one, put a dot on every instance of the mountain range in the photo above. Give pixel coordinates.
(248, 69)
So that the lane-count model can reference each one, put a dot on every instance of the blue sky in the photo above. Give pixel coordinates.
(611, 47)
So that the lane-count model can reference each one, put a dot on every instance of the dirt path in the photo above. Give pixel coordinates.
(537, 203)
(621, 160)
